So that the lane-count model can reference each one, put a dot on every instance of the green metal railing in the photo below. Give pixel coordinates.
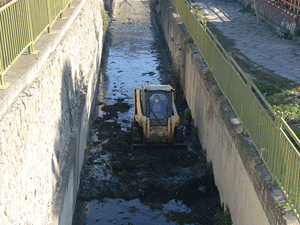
(267, 129)
(21, 24)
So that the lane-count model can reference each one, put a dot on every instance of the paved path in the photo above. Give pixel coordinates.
(256, 41)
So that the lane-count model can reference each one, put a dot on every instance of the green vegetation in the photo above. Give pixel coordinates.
(189, 39)
(209, 167)
(297, 32)
(188, 115)
(123, 175)
(266, 88)
(282, 94)
(288, 104)
(218, 92)
(200, 13)
(203, 152)
(179, 217)
(247, 8)
(223, 216)
(106, 18)
(194, 132)
(208, 76)
(175, 76)
(287, 35)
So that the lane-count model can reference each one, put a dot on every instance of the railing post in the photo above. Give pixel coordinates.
(1, 67)
(215, 39)
(1, 64)
(278, 126)
(61, 15)
(70, 5)
(28, 13)
(3, 85)
(49, 17)
(249, 82)
(246, 104)
(229, 55)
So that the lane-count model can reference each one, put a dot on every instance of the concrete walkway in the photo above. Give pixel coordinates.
(258, 42)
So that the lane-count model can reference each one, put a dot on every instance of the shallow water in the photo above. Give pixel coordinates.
(146, 187)
(120, 211)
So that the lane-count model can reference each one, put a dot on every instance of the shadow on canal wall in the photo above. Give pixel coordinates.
(44, 119)
(79, 83)
(240, 175)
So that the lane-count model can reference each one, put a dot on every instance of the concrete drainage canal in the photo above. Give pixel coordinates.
(150, 185)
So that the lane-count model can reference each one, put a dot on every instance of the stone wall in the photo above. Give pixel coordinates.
(276, 15)
(240, 175)
(44, 129)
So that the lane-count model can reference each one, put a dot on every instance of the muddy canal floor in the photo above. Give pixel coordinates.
(161, 185)
(147, 185)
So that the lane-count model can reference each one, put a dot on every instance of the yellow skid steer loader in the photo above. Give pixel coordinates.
(156, 121)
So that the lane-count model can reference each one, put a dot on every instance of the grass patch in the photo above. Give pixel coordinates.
(247, 8)
(106, 18)
(266, 89)
(189, 39)
(287, 103)
(282, 94)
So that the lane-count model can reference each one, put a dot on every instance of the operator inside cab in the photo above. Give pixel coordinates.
(158, 106)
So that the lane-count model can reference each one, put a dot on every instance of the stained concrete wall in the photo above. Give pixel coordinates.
(44, 118)
(240, 175)
(276, 15)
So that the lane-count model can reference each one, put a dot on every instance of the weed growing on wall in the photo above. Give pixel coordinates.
(223, 217)
(175, 76)
(188, 115)
(288, 35)
(189, 40)
(209, 167)
(106, 18)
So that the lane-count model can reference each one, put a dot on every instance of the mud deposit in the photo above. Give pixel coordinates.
(148, 185)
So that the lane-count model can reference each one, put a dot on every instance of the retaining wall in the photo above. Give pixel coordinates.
(44, 119)
(240, 175)
(276, 15)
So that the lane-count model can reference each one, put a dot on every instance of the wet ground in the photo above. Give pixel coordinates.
(150, 185)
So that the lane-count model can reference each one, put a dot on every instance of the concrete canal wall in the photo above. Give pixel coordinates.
(44, 118)
(240, 175)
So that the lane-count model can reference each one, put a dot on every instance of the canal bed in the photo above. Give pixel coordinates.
(147, 186)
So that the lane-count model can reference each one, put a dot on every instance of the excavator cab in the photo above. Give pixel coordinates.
(155, 116)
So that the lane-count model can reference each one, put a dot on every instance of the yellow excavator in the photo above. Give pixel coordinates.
(156, 121)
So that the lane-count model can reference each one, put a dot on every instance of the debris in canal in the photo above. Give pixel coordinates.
(155, 176)
(145, 186)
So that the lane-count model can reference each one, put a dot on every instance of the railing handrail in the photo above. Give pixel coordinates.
(22, 22)
(291, 4)
(266, 128)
